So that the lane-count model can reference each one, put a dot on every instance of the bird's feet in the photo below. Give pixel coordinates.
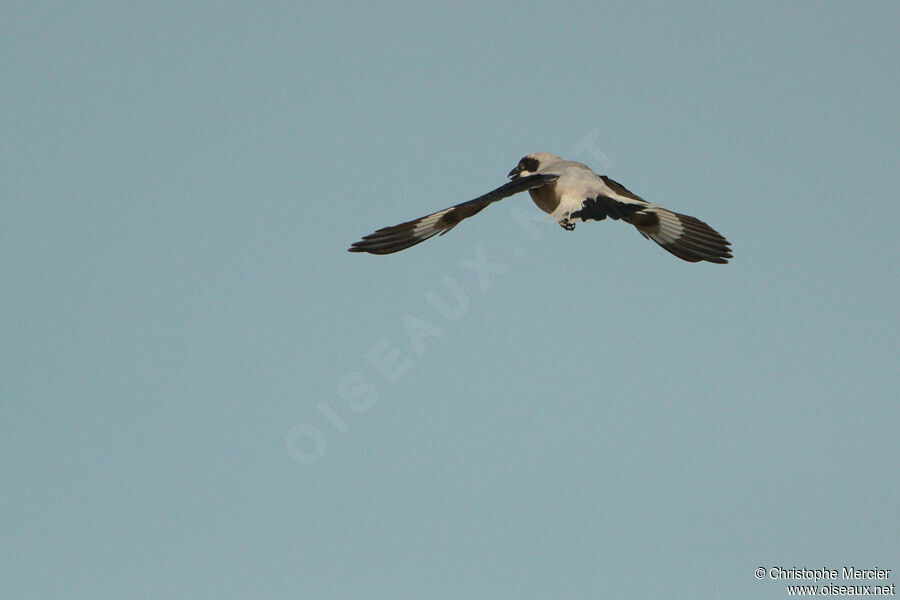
(567, 225)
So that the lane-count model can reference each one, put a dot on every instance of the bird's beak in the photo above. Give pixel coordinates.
(512, 174)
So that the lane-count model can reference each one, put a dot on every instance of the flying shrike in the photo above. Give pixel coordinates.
(567, 191)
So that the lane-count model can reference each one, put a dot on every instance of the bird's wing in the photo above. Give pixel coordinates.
(402, 236)
(686, 237)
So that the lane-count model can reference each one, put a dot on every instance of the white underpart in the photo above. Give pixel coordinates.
(567, 205)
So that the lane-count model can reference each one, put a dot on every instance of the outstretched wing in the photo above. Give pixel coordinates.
(402, 236)
(686, 237)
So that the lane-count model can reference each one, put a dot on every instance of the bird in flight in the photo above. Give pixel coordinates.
(567, 191)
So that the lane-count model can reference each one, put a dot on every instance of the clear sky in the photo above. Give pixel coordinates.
(204, 395)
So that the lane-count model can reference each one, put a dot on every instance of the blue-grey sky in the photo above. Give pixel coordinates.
(205, 396)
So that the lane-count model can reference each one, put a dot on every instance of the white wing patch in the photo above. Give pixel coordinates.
(670, 228)
(428, 226)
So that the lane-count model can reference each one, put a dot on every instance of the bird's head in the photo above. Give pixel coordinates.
(531, 163)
